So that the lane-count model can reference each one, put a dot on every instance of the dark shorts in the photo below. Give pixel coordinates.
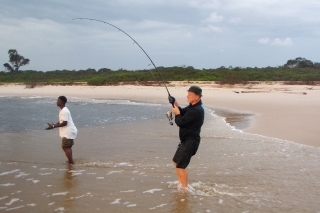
(184, 153)
(67, 143)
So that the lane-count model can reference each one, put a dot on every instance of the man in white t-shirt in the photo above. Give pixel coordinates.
(67, 129)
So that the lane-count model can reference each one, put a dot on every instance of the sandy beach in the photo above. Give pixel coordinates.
(288, 112)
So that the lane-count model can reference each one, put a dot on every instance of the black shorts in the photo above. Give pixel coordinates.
(184, 153)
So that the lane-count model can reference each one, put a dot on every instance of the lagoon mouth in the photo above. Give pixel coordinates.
(239, 120)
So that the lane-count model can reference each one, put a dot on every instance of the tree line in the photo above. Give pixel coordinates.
(299, 70)
(221, 75)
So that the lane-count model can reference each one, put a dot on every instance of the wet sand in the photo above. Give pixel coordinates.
(111, 168)
(288, 112)
(127, 167)
(130, 171)
(114, 171)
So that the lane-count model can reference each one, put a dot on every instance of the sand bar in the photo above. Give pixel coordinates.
(289, 112)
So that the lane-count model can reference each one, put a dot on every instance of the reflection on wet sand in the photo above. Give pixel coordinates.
(69, 183)
(181, 203)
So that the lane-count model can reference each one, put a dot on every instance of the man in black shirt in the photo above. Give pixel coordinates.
(189, 120)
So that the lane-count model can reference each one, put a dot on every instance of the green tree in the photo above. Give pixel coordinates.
(104, 70)
(316, 64)
(299, 63)
(16, 61)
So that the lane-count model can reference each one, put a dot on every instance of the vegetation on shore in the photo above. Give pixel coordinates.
(299, 70)
(108, 77)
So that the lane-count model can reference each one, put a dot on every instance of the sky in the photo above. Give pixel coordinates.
(199, 33)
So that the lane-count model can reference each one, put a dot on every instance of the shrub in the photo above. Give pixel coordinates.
(97, 81)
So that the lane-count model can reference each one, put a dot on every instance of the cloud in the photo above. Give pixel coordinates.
(172, 32)
(264, 41)
(204, 4)
(276, 42)
(283, 42)
(214, 17)
(234, 20)
(211, 28)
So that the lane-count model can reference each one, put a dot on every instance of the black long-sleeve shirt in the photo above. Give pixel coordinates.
(190, 121)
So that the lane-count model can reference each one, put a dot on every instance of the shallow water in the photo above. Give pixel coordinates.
(125, 165)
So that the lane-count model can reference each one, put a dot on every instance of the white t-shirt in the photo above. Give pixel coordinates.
(70, 131)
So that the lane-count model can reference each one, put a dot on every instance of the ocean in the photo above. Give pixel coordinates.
(123, 162)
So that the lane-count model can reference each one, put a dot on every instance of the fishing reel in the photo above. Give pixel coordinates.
(170, 117)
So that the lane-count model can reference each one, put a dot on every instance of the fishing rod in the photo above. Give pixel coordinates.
(91, 19)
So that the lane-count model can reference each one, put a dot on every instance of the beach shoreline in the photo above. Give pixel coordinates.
(288, 112)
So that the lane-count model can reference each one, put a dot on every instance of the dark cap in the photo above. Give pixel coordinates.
(196, 90)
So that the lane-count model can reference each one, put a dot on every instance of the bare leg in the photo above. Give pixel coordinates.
(68, 152)
(175, 166)
(183, 177)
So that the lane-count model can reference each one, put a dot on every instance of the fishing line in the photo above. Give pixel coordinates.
(91, 19)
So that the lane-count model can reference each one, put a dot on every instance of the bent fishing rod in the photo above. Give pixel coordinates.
(91, 19)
